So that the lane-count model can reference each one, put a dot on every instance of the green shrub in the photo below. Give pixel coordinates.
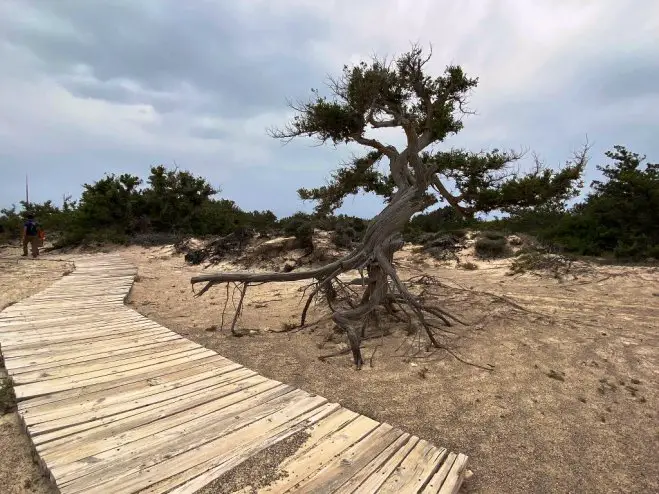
(76, 238)
(491, 248)
(347, 230)
(460, 233)
(345, 237)
(469, 266)
(6, 396)
(493, 235)
(300, 226)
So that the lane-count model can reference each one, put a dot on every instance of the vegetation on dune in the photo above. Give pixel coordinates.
(619, 217)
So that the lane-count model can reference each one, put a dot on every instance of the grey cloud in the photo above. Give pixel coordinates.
(115, 93)
(210, 46)
(208, 133)
(621, 78)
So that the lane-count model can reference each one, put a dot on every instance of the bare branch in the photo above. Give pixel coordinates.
(388, 151)
(450, 198)
(379, 124)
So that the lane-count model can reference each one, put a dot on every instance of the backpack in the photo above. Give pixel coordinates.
(31, 228)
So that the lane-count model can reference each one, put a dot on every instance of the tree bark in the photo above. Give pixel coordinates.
(375, 253)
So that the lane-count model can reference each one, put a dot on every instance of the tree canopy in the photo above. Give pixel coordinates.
(400, 94)
(620, 215)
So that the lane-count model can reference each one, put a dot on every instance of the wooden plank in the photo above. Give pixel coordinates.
(124, 420)
(73, 320)
(79, 331)
(184, 383)
(108, 364)
(81, 300)
(152, 377)
(70, 319)
(438, 479)
(219, 459)
(162, 464)
(48, 353)
(59, 419)
(43, 310)
(455, 476)
(105, 340)
(61, 341)
(36, 311)
(330, 423)
(74, 323)
(375, 465)
(343, 467)
(27, 364)
(82, 293)
(256, 406)
(66, 295)
(54, 385)
(375, 481)
(116, 427)
(307, 463)
(416, 470)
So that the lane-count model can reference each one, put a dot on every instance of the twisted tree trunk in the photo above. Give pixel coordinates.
(375, 254)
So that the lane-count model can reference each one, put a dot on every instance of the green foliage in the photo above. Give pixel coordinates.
(7, 401)
(468, 266)
(49, 217)
(445, 219)
(493, 235)
(11, 224)
(382, 94)
(301, 226)
(486, 181)
(115, 208)
(488, 248)
(621, 215)
(177, 200)
(401, 94)
(347, 230)
(111, 204)
(351, 178)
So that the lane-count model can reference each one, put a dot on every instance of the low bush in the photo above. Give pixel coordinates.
(469, 266)
(6, 396)
(493, 235)
(491, 248)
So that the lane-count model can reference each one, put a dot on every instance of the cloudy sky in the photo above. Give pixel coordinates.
(95, 86)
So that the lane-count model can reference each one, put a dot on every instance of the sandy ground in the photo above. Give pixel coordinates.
(20, 278)
(571, 405)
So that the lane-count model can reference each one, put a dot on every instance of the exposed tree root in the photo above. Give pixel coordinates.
(353, 311)
(381, 285)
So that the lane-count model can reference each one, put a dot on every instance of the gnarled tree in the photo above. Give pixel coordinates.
(377, 95)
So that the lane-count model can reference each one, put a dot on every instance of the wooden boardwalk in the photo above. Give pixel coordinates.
(115, 403)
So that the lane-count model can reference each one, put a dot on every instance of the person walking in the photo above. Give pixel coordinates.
(31, 236)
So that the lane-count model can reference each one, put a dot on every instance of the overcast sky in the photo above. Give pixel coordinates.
(95, 86)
